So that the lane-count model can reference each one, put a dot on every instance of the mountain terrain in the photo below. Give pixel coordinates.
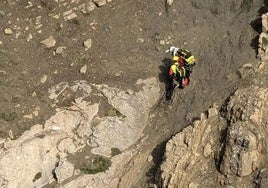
(82, 87)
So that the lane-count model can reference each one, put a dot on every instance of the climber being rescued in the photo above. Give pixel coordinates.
(185, 59)
(177, 78)
(177, 74)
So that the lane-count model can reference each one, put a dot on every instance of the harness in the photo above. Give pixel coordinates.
(179, 70)
(182, 71)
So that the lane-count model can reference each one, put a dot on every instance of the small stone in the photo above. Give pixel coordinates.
(212, 112)
(245, 70)
(150, 158)
(222, 182)
(30, 36)
(90, 6)
(56, 16)
(261, 66)
(169, 2)
(118, 74)
(44, 78)
(38, 25)
(68, 12)
(28, 116)
(247, 65)
(2, 13)
(49, 42)
(139, 82)
(10, 134)
(78, 100)
(8, 31)
(71, 64)
(88, 44)
(100, 3)
(34, 94)
(162, 42)
(59, 50)
(37, 108)
(157, 48)
(71, 16)
(207, 150)
(203, 116)
(2, 72)
(82, 8)
(193, 185)
(17, 35)
(130, 91)
(140, 40)
(83, 70)
(35, 113)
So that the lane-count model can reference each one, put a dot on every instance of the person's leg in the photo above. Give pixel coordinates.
(180, 83)
(188, 74)
(169, 89)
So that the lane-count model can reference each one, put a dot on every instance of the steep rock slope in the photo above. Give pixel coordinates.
(53, 45)
(228, 145)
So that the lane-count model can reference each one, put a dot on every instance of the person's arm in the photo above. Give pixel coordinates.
(171, 73)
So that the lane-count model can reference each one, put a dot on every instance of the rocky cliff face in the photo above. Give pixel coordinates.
(228, 145)
(80, 83)
(45, 148)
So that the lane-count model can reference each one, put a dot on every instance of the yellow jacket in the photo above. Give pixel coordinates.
(177, 70)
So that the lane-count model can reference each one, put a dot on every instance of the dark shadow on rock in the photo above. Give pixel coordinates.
(220, 155)
(195, 119)
(224, 133)
(265, 2)
(255, 44)
(257, 26)
(224, 108)
(261, 180)
(164, 77)
(154, 174)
